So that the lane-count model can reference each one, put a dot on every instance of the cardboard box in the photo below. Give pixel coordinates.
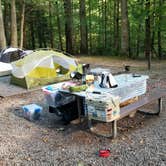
(103, 107)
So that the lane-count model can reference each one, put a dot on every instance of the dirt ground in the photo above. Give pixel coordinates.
(141, 140)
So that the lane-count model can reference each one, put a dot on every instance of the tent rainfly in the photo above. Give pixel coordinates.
(42, 68)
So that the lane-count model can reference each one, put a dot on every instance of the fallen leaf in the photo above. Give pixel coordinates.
(60, 129)
(80, 163)
(28, 158)
(45, 139)
(141, 141)
(123, 138)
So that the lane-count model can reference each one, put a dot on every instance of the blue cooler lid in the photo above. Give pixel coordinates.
(35, 107)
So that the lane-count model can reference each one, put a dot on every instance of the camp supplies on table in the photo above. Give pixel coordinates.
(78, 88)
(54, 97)
(89, 78)
(107, 81)
(103, 107)
(128, 86)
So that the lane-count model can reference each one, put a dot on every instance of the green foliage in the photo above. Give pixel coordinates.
(40, 25)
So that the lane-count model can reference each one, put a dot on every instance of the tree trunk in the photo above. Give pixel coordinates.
(105, 23)
(125, 28)
(116, 26)
(22, 24)
(159, 30)
(59, 27)
(13, 25)
(2, 31)
(138, 40)
(100, 28)
(139, 28)
(148, 35)
(83, 29)
(153, 29)
(40, 29)
(50, 25)
(90, 28)
(25, 36)
(32, 35)
(6, 19)
(68, 25)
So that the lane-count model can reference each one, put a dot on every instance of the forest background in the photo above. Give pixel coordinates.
(129, 28)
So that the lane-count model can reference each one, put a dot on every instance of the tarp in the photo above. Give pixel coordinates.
(41, 68)
(11, 54)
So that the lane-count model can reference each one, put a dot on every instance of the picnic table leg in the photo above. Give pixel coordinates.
(93, 130)
(159, 106)
(114, 128)
(79, 109)
(89, 123)
(156, 113)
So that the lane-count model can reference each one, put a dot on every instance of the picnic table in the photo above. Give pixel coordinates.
(128, 88)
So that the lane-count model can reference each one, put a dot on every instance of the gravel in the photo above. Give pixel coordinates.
(141, 140)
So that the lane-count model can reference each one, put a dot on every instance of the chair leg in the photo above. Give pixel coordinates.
(114, 129)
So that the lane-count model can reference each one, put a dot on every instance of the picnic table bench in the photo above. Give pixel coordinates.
(156, 94)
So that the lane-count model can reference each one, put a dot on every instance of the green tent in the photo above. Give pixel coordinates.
(42, 68)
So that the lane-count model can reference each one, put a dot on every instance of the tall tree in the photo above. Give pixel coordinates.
(22, 25)
(100, 26)
(2, 31)
(141, 8)
(104, 18)
(148, 34)
(59, 27)
(125, 28)
(116, 25)
(32, 34)
(50, 25)
(83, 29)
(159, 29)
(14, 42)
(90, 27)
(68, 25)
(153, 28)
(6, 19)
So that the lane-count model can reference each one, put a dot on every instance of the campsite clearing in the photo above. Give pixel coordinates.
(141, 139)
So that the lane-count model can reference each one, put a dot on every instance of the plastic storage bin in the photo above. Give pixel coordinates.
(55, 98)
(32, 111)
(128, 86)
